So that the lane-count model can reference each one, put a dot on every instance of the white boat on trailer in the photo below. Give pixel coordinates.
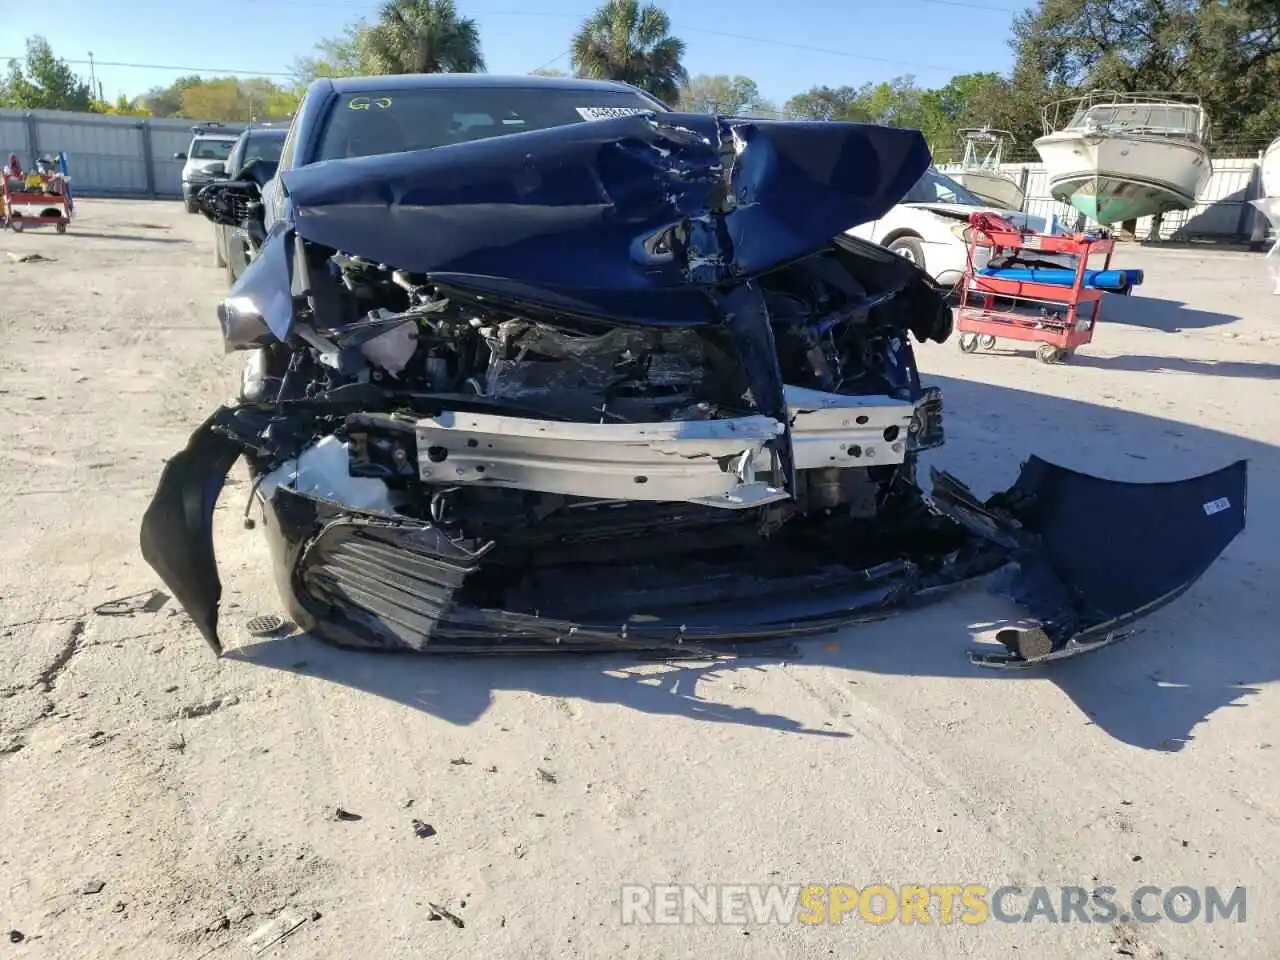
(980, 168)
(1122, 156)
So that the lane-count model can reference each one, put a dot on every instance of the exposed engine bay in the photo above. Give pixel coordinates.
(453, 451)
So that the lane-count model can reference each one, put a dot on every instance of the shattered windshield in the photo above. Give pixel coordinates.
(933, 187)
(206, 149)
(375, 123)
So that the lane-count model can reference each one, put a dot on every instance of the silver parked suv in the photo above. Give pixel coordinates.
(205, 158)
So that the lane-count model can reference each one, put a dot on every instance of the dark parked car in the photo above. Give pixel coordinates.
(537, 364)
(231, 243)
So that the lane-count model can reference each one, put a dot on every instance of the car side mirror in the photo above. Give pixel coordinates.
(179, 156)
(229, 202)
(260, 171)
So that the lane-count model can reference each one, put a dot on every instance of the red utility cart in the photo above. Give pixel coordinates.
(36, 198)
(1059, 317)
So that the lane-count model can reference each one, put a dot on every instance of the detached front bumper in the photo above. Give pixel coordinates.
(1086, 556)
(369, 582)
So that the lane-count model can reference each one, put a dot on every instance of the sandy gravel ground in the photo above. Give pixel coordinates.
(156, 802)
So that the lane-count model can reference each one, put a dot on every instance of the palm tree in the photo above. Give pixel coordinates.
(423, 36)
(625, 41)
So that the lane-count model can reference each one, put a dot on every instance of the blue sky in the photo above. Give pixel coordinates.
(833, 42)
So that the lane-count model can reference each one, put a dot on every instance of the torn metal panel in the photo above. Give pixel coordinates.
(677, 460)
(833, 430)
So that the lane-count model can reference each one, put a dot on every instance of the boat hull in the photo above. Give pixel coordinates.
(1111, 179)
(997, 190)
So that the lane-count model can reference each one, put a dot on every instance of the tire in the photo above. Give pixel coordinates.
(219, 257)
(1050, 354)
(967, 343)
(987, 341)
(189, 201)
(909, 248)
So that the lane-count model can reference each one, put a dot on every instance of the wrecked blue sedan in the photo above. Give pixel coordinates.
(621, 381)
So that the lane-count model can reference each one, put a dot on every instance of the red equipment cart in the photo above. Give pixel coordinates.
(45, 195)
(1059, 317)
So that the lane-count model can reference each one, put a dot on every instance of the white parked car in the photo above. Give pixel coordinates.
(928, 226)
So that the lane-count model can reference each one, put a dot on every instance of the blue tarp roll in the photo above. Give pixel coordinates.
(1097, 279)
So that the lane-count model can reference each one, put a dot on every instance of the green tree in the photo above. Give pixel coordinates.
(343, 56)
(43, 82)
(1227, 51)
(238, 101)
(719, 94)
(422, 36)
(623, 40)
(980, 99)
(827, 103)
(122, 107)
(167, 101)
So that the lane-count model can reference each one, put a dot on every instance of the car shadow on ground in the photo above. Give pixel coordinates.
(1154, 313)
(1141, 363)
(1210, 368)
(1210, 649)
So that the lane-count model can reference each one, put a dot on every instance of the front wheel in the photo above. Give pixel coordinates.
(909, 248)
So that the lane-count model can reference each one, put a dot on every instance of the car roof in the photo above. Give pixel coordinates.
(215, 136)
(421, 81)
(267, 131)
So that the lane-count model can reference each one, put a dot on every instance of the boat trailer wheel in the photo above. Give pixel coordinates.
(968, 342)
(987, 341)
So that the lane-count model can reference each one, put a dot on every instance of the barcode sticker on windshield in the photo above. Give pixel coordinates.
(1216, 506)
(608, 113)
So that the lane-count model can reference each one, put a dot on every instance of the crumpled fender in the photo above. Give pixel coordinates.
(177, 529)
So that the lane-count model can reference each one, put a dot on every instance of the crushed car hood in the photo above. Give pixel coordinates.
(608, 211)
